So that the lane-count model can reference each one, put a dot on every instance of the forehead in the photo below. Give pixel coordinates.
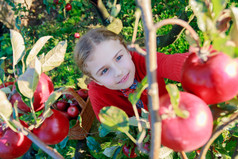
(106, 48)
(102, 54)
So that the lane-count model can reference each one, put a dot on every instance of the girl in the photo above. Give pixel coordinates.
(102, 55)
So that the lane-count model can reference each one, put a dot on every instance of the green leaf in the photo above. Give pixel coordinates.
(6, 90)
(54, 57)
(36, 48)
(64, 142)
(218, 6)
(173, 93)
(235, 134)
(165, 152)
(234, 130)
(53, 97)
(203, 15)
(219, 44)
(174, 99)
(110, 151)
(2, 74)
(117, 154)
(199, 9)
(114, 119)
(134, 97)
(115, 10)
(103, 131)
(5, 106)
(144, 113)
(134, 122)
(28, 81)
(18, 46)
(93, 144)
(191, 154)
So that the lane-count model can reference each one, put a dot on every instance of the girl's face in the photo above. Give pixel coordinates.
(110, 64)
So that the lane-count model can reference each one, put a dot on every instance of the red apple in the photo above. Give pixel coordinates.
(185, 134)
(43, 90)
(62, 105)
(83, 93)
(76, 35)
(214, 80)
(73, 111)
(56, 1)
(68, 7)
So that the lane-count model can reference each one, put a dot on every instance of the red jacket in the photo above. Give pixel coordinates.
(169, 66)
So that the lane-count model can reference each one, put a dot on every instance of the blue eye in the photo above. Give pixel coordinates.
(104, 71)
(119, 57)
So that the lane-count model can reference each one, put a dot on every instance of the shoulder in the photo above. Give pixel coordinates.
(140, 67)
(136, 56)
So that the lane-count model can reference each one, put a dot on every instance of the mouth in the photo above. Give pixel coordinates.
(124, 79)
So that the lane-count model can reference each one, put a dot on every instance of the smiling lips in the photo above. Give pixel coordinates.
(125, 78)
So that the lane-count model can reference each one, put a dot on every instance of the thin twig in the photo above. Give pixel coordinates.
(137, 15)
(137, 117)
(131, 137)
(136, 48)
(183, 155)
(181, 23)
(215, 134)
(47, 149)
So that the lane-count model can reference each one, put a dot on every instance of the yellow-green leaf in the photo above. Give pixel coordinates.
(36, 48)
(114, 119)
(28, 81)
(218, 6)
(5, 106)
(174, 99)
(234, 28)
(18, 46)
(54, 57)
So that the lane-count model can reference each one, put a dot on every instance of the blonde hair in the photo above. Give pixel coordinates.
(87, 44)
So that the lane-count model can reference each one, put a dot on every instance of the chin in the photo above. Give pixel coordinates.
(128, 84)
(131, 82)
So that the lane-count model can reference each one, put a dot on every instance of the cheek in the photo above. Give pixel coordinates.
(107, 80)
(130, 65)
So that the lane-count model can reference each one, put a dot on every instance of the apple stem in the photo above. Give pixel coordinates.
(130, 136)
(137, 117)
(33, 111)
(9, 123)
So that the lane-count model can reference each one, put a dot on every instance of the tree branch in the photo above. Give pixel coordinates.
(215, 134)
(47, 149)
(102, 11)
(172, 36)
(151, 66)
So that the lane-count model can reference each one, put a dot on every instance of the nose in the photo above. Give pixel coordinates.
(118, 71)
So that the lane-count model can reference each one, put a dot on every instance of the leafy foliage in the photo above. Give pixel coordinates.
(61, 25)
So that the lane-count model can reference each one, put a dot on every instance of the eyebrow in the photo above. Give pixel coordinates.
(112, 58)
